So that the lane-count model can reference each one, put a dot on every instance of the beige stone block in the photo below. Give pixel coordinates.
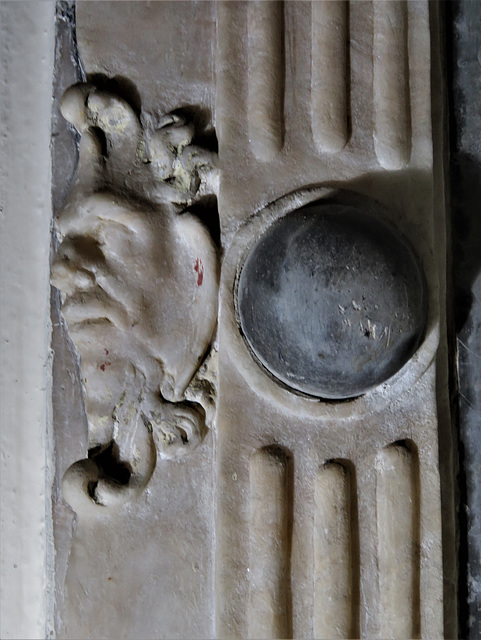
(218, 501)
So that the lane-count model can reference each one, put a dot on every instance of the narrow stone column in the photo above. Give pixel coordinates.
(27, 46)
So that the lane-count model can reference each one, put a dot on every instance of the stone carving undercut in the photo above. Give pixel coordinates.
(138, 274)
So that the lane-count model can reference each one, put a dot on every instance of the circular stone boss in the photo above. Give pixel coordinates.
(332, 301)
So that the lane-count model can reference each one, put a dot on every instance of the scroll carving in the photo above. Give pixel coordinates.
(138, 274)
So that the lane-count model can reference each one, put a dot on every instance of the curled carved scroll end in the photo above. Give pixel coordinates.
(114, 475)
(179, 428)
(118, 468)
(104, 480)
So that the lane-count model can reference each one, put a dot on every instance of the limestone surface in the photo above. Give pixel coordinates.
(213, 496)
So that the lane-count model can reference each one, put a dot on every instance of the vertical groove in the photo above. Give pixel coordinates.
(392, 109)
(398, 523)
(266, 77)
(231, 77)
(329, 75)
(336, 553)
(271, 484)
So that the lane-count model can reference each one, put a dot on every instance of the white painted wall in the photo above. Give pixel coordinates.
(27, 48)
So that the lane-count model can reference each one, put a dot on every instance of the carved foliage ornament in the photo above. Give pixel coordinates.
(138, 273)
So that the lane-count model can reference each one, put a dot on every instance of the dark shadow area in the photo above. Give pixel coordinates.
(102, 140)
(463, 47)
(206, 210)
(204, 133)
(466, 227)
(67, 71)
(119, 86)
(109, 463)
(466, 257)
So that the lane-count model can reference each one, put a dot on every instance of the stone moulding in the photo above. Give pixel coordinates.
(211, 500)
(263, 511)
(380, 429)
(26, 70)
(259, 378)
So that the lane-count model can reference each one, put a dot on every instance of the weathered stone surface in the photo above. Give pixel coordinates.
(309, 493)
(287, 467)
(465, 60)
(94, 469)
(27, 56)
(332, 301)
(162, 51)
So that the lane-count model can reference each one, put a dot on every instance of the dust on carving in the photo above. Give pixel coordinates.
(199, 269)
(149, 178)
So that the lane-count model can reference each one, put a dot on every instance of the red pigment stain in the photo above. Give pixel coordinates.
(105, 364)
(106, 352)
(199, 269)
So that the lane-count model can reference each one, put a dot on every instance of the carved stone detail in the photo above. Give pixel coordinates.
(288, 523)
(138, 272)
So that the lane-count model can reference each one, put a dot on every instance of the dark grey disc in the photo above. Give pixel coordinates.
(332, 301)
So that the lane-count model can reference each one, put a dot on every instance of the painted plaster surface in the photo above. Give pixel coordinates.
(25, 217)
(292, 516)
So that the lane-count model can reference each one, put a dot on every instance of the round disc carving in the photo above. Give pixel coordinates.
(332, 301)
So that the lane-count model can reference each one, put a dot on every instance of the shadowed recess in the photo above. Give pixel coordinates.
(109, 463)
(266, 78)
(118, 86)
(336, 552)
(398, 525)
(271, 491)
(392, 101)
(331, 300)
(329, 75)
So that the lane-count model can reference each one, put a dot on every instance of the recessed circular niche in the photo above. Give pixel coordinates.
(331, 301)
